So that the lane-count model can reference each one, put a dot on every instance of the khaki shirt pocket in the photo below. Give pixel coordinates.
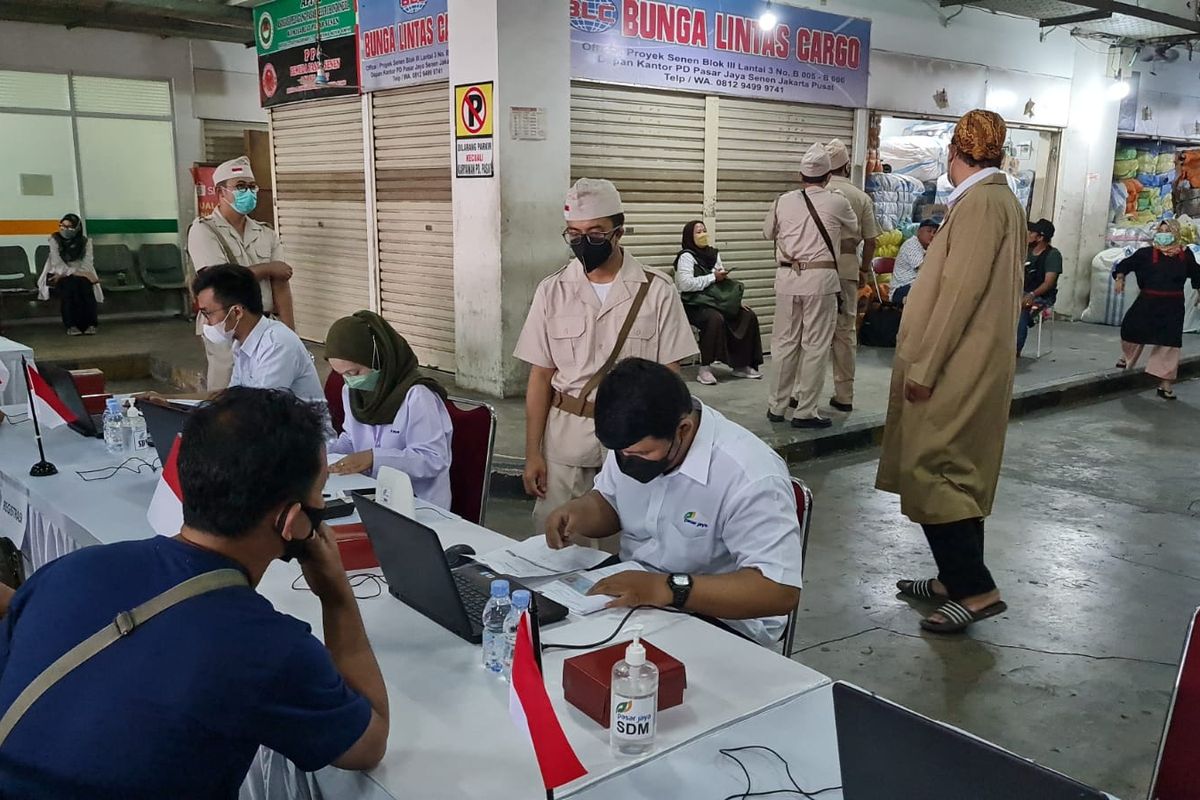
(564, 333)
(643, 339)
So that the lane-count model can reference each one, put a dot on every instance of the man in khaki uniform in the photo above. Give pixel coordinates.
(853, 275)
(953, 375)
(573, 336)
(229, 236)
(806, 225)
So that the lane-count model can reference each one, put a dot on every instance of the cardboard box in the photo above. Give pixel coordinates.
(587, 679)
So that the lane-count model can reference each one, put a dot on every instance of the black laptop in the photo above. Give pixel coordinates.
(164, 421)
(890, 753)
(63, 384)
(418, 575)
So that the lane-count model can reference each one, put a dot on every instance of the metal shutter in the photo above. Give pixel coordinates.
(651, 145)
(415, 218)
(224, 140)
(320, 199)
(759, 147)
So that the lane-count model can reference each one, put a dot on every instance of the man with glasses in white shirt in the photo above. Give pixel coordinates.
(230, 236)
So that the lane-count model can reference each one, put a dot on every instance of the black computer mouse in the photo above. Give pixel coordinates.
(459, 554)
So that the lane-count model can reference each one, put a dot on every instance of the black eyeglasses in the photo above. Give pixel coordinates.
(242, 185)
(573, 238)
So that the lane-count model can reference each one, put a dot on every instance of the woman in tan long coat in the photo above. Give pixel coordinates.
(953, 374)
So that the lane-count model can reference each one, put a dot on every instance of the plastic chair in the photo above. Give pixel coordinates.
(162, 270)
(1046, 323)
(115, 266)
(474, 426)
(881, 266)
(1177, 772)
(333, 398)
(15, 277)
(804, 506)
(41, 254)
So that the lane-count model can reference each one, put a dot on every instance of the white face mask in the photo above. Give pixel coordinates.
(217, 333)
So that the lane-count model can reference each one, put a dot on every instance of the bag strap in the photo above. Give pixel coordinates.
(124, 624)
(230, 258)
(626, 326)
(820, 225)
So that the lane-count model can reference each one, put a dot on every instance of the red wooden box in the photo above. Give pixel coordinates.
(355, 547)
(587, 679)
(90, 383)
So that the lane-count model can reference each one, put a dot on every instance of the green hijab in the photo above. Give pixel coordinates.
(366, 338)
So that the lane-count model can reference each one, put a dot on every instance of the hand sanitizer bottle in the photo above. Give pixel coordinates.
(634, 701)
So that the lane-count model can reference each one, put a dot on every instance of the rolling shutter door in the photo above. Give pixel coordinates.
(320, 198)
(415, 218)
(651, 145)
(759, 147)
(225, 140)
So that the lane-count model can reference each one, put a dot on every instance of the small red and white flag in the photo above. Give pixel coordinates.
(48, 407)
(532, 713)
(166, 508)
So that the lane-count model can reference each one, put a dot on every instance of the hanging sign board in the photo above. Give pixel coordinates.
(206, 190)
(403, 42)
(718, 47)
(293, 63)
(473, 130)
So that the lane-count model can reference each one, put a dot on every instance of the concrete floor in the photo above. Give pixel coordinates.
(1094, 545)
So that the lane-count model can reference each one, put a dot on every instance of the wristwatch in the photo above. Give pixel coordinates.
(681, 586)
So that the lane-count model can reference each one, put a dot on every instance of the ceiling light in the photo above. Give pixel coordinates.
(767, 20)
(1119, 90)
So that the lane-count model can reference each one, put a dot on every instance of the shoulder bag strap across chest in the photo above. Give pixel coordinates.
(124, 625)
(579, 405)
(812, 210)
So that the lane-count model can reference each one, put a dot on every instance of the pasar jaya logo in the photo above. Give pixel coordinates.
(594, 16)
(412, 6)
(693, 519)
(623, 708)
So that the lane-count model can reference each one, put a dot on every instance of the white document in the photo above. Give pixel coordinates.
(572, 591)
(533, 558)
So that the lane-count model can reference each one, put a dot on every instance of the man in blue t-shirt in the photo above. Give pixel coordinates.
(178, 708)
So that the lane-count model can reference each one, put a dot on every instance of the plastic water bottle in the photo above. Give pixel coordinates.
(136, 437)
(494, 615)
(114, 427)
(633, 706)
(520, 604)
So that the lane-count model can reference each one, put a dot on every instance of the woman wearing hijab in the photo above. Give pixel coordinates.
(1156, 317)
(395, 417)
(728, 330)
(69, 269)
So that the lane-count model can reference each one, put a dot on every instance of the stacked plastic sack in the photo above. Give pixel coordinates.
(1143, 181)
(1188, 182)
(894, 196)
(1021, 185)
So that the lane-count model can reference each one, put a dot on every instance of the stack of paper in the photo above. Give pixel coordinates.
(572, 591)
(533, 558)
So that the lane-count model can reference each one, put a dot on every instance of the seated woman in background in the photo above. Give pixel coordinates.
(69, 269)
(728, 329)
(395, 417)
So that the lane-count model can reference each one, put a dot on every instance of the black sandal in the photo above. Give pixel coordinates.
(1166, 394)
(959, 617)
(920, 589)
(1121, 364)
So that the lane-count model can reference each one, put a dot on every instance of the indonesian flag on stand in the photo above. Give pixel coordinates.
(532, 713)
(166, 509)
(48, 407)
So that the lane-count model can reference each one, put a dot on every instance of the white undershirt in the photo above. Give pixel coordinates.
(601, 290)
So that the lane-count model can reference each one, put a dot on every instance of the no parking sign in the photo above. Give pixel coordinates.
(473, 126)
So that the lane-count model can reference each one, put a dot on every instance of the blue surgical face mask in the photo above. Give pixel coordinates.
(244, 200)
(1164, 238)
(366, 382)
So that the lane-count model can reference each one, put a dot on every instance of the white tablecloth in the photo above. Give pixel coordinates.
(10, 354)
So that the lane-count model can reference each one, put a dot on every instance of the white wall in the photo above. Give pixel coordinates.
(48, 48)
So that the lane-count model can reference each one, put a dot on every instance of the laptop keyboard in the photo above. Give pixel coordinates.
(473, 599)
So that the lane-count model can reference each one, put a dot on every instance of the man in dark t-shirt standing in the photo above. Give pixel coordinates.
(179, 706)
(1043, 265)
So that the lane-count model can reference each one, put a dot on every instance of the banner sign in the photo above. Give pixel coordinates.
(206, 190)
(294, 63)
(718, 47)
(403, 42)
(474, 129)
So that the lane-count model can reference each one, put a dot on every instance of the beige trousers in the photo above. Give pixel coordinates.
(1163, 363)
(220, 365)
(800, 345)
(563, 483)
(845, 344)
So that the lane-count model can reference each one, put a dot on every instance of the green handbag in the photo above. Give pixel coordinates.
(725, 296)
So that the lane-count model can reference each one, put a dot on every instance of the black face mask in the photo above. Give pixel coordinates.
(643, 470)
(592, 255)
(298, 548)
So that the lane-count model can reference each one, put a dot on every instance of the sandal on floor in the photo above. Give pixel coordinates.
(921, 589)
(1166, 394)
(959, 617)
(1121, 364)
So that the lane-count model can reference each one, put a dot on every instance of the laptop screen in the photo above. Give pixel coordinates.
(64, 386)
(164, 423)
(890, 753)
